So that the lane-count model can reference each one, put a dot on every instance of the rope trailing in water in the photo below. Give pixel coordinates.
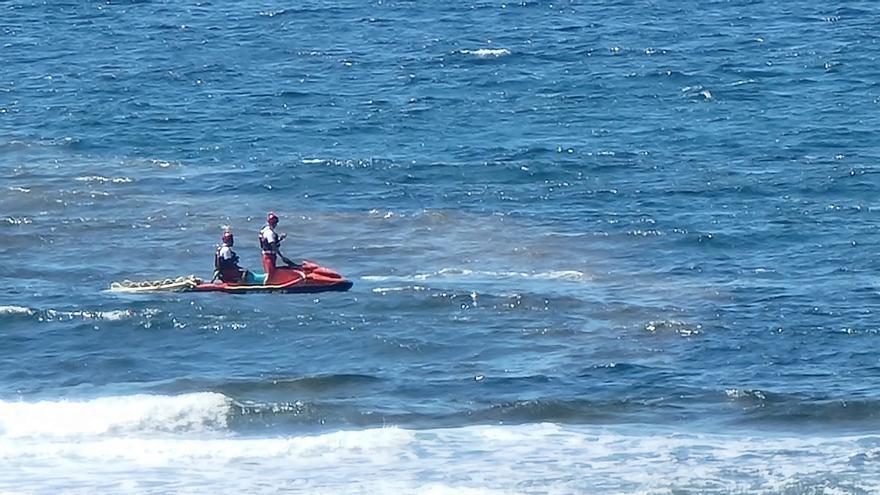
(171, 284)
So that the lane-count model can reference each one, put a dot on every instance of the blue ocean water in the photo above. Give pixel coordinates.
(597, 247)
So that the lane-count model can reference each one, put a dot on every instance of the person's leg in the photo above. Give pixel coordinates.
(269, 267)
(254, 278)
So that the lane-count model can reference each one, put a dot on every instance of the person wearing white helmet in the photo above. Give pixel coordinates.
(226, 261)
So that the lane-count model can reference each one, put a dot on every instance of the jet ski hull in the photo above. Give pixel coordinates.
(305, 278)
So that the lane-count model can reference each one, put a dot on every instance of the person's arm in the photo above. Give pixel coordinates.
(278, 239)
(217, 261)
(273, 240)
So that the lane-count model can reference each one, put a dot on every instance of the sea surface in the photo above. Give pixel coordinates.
(597, 247)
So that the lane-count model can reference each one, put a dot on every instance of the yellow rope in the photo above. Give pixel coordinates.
(170, 284)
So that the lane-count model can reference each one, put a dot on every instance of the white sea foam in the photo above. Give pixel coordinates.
(381, 444)
(164, 163)
(697, 91)
(115, 315)
(487, 52)
(447, 273)
(102, 180)
(533, 458)
(19, 221)
(53, 314)
(735, 393)
(383, 214)
(136, 414)
(16, 310)
(384, 290)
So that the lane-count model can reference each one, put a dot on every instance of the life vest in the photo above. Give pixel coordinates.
(227, 268)
(265, 245)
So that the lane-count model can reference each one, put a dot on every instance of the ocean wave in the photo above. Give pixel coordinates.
(18, 220)
(697, 92)
(551, 410)
(486, 52)
(447, 273)
(404, 288)
(793, 411)
(545, 458)
(123, 415)
(736, 393)
(466, 299)
(272, 13)
(497, 402)
(21, 144)
(682, 328)
(57, 315)
(165, 163)
(372, 446)
(315, 383)
(16, 310)
(101, 180)
(353, 163)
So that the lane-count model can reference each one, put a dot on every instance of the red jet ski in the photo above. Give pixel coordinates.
(302, 278)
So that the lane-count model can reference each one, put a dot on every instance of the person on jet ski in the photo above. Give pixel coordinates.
(270, 243)
(226, 261)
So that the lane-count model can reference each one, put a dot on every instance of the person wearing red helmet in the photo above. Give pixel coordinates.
(270, 243)
(226, 261)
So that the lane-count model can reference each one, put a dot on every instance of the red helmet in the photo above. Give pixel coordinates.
(272, 218)
(227, 237)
